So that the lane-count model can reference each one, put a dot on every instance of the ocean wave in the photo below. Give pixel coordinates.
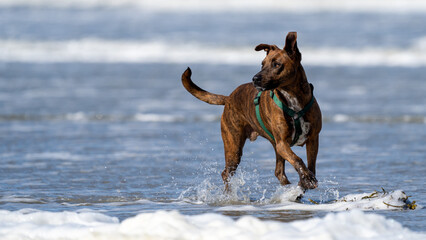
(20, 199)
(122, 51)
(370, 6)
(33, 224)
(173, 118)
(343, 118)
(55, 156)
(87, 117)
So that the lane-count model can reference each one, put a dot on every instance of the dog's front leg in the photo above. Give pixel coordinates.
(280, 169)
(312, 152)
(307, 178)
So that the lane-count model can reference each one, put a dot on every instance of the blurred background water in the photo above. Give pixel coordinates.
(93, 114)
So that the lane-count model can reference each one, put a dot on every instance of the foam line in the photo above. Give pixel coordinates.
(31, 224)
(107, 51)
(174, 118)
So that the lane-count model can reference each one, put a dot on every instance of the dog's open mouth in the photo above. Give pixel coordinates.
(259, 88)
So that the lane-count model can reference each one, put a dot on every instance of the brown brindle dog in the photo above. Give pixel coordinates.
(283, 74)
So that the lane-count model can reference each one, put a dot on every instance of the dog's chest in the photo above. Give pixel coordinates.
(293, 103)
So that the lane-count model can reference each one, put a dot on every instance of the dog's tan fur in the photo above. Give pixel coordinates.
(282, 73)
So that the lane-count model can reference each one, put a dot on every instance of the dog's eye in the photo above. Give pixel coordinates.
(277, 65)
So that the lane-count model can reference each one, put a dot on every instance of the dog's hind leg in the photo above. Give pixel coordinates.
(233, 140)
(280, 169)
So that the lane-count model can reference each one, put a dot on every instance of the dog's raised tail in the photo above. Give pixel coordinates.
(199, 93)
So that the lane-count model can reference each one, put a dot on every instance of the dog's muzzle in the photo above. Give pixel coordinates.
(257, 81)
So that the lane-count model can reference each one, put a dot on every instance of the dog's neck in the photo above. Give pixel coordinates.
(298, 93)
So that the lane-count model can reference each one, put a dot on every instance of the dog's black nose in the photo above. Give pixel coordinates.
(256, 79)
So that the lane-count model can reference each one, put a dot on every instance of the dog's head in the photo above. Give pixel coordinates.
(279, 66)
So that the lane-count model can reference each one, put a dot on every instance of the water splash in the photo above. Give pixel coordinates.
(289, 197)
(211, 193)
(285, 194)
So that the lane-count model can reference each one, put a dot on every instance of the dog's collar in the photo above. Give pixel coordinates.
(290, 112)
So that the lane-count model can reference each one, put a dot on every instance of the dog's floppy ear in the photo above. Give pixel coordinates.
(291, 45)
(266, 47)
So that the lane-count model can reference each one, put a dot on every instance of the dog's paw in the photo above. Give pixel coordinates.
(308, 181)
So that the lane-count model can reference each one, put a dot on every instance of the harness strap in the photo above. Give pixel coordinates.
(290, 112)
(259, 118)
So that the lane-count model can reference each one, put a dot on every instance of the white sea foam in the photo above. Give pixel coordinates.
(363, 201)
(343, 118)
(388, 6)
(31, 224)
(173, 118)
(285, 198)
(111, 51)
(18, 199)
(54, 156)
(149, 117)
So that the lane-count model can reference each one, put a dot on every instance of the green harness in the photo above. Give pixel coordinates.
(290, 112)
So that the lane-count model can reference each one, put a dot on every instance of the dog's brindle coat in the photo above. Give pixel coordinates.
(282, 73)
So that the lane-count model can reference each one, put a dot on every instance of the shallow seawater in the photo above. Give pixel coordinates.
(126, 163)
(92, 147)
